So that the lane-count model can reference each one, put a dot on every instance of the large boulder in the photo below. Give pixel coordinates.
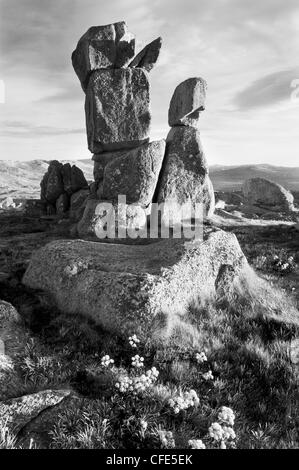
(101, 47)
(135, 174)
(117, 109)
(187, 102)
(185, 171)
(267, 194)
(128, 289)
(148, 56)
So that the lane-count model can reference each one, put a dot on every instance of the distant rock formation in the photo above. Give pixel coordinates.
(58, 185)
(268, 195)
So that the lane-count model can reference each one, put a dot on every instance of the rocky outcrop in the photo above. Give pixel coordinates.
(143, 289)
(187, 103)
(117, 109)
(266, 194)
(59, 183)
(102, 47)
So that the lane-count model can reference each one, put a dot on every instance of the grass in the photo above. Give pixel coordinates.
(245, 334)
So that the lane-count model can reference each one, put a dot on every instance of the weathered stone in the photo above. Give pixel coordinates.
(66, 172)
(101, 160)
(73, 178)
(187, 102)
(135, 174)
(78, 203)
(147, 58)
(142, 289)
(12, 334)
(18, 412)
(62, 204)
(117, 109)
(265, 193)
(100, 219)
(103, 47)
(78, 180)
(185, 171)
(52, 182)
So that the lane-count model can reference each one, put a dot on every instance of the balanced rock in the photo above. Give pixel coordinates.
(147, 58)
(185, 171)
(135, 174)
(101, 47)
(187, 102)
(144, 289)
(267, 194)
(117, 109)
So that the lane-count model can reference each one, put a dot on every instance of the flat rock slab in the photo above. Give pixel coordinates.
(148, 56)
(145, 290)
(17, 412)
(117, 109)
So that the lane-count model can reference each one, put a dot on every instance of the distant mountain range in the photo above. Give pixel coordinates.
(22, 179)
(231, 178)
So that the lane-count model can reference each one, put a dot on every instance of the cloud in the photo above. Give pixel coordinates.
(22, 129)
(267, 91)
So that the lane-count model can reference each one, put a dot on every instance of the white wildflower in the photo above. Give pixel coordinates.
(106, 361)
(133, 340)
(201, 358)
(226, 416)
(216, 431)
(208, 375)
(137, 361)
(228, 433)
(196, 444)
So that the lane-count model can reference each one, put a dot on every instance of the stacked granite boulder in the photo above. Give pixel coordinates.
(185, 177)
(117, 108)
(62, 186)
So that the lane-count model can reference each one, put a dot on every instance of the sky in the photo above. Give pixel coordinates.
(247, 51)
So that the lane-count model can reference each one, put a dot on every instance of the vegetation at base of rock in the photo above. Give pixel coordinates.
(247, 354)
